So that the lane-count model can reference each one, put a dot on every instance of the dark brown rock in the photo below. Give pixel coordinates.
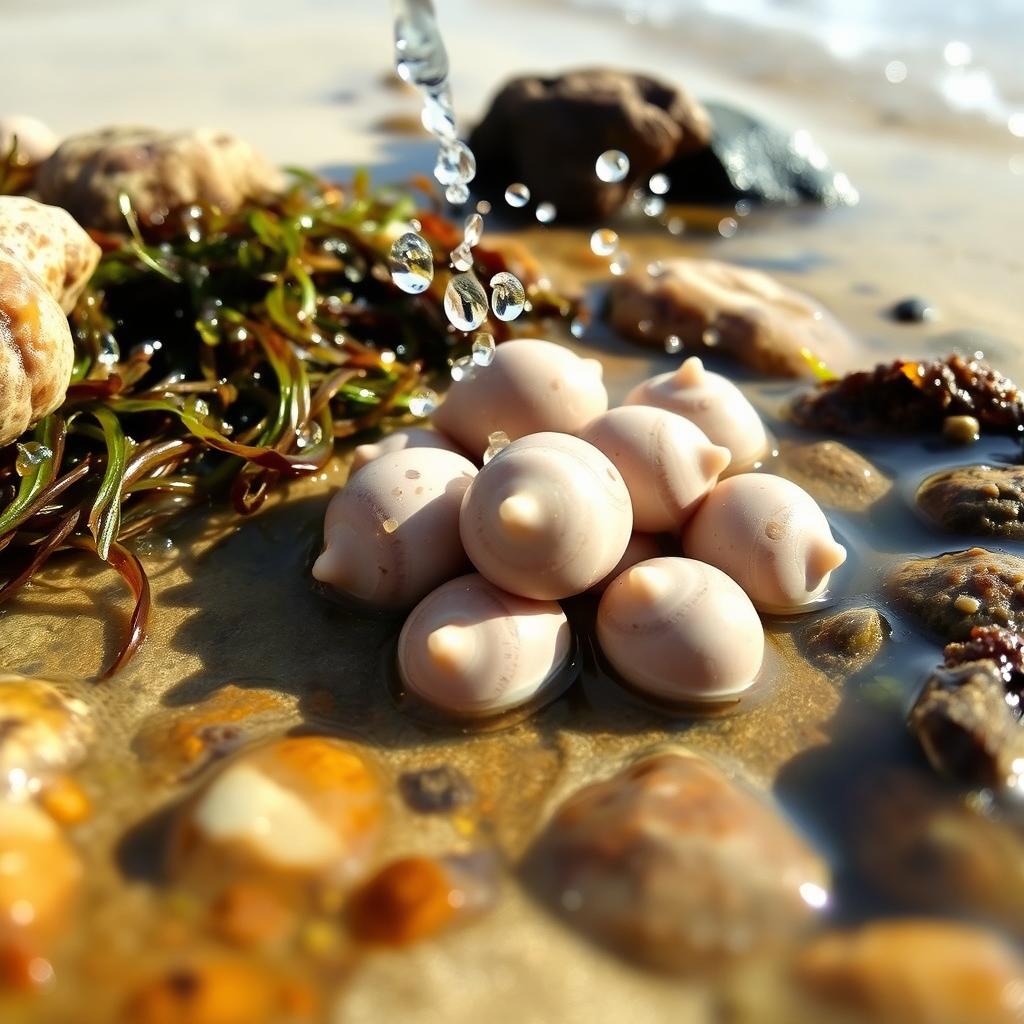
(951, 594)
(737, 311)
(673, 864)
(435, 790)
(834, 475)
(848, 641)
(548, 132)
(982, 500)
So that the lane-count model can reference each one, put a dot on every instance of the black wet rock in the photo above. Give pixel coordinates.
(978, 500)
(912, 311)
(435, 790)
(752, 159)
(547, 132)
(952, 594)
(847, 641)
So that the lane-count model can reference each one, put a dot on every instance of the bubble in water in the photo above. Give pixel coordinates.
(465, 302)
(659, 184)
(462, 257)
(456, 164)
(456, 194)
(474, 230)
(411, 263)
(604, 241)
(31, 455)
(653, 206)
(423, 401)
(673, 344)
(483, 349)
(462, 368)
(496, 442)
(110, 352)
(612, 165)
(517, 195)
(546, 213)
(508, 296)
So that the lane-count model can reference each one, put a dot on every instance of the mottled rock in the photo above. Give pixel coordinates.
(981, 500)
(435, 790)
(304, 807)
(951, 594)
(42, 732)
(848, 641)
(51, 244)
(548, 133)
(160, 171)
(834, 475)
(915, 972)
(742, 313)
(671, 863)
(911, 397)
(753, 159)
(36, 350)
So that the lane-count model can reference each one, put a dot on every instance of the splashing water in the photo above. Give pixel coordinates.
(659, 184)
(603, 242)
(483, 349)
(474, 230)
(423, 402)
(496, 442)
(465, 302)
(612, 165)
(546, 212)
(462, 257)
(517, 195)
(411, 263)
(508, 297)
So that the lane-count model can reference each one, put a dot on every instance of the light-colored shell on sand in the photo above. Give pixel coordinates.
(398, 440)
(36, 350)
(50, 243)
(35, 139)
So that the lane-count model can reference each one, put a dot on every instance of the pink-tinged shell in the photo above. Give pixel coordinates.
(547, 517)
(681, 630)
(392, 533)
(713, 403)
(668, 464)
(471, 648)
(529, 387)
(398, 440)
(770, 536)
(36, 350)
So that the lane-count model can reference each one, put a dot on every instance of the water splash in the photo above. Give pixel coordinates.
(465, 302)
(517, 195)
(612, 166)
(411, 263)
(508, 296)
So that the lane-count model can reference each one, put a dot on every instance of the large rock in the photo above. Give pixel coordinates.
(673, 864)
(978, 500)
(50, 243)
(160, 171)
(547, 132)
(742, 313)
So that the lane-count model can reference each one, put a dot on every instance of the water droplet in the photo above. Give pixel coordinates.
(465, 302)
(311, 434)
(673, 344)
(612, 165)
(546, 213)
(389, 525)
(462, 257)
(710, 337)
(728, 226)
(655, 268)
(659, 184)
(437, 115)
(456, 194)
(155, 545)
(496, 442)
(644, 326)
(462, 368)
(896, 72)
(517, 195)
(620, 264)
(423, 401)
(676, 225)
(508, 296)
(483, 207)
(110, 352)
(411, 263)
(653, 206)
(604, 241)
(578, 327)
(30, 455)
(483, 349)
(456, 164)
(474, 229)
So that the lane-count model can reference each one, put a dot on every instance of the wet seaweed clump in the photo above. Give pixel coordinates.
(913, 397)
(218, 355)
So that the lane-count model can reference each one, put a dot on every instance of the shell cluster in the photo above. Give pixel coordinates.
(576, 499)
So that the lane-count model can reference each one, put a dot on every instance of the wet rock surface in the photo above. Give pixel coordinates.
(834, 475)
(160, 171)
(845, 643)
(914, 972)
(547, 133)
(951, 594)
(910, 397)
(674, 865)
(739, 312)
(980, 500)
(750, 158)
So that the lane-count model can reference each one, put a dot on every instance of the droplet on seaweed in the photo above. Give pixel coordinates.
(508, 296)
(612, 165)
(546, 212)
(474, 230)
(465, 302)
(411, 263)
(517, 195)
(110, 352)
(603, 242)
(422, 402)
(659, 184)
(483, 349)
(30, 455)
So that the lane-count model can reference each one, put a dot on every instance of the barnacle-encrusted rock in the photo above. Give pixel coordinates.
(51, 244)
(673, 864)
(846, 642)
(548, 133)
(36, 350)
(951, 594)
(981, 500)
(739, 312)
(911, 396)
(833, 475)
(160, 171)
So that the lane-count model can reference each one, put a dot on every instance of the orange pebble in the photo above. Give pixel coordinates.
(403, 903)
(247, 914)
(65, 801)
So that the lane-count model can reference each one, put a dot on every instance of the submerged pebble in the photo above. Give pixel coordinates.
(833, 474)
(978, 500)
(848, 641)
(674, 865)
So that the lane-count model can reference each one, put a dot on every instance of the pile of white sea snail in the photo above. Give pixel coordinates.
(573, 499)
